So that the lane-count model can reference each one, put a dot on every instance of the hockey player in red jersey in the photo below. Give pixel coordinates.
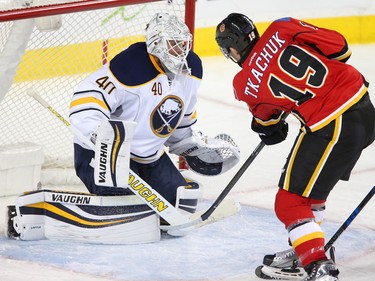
(297, 68)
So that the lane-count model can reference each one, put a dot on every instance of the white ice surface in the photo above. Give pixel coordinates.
(230, 249)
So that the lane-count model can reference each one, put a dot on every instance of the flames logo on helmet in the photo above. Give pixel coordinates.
(222, 27)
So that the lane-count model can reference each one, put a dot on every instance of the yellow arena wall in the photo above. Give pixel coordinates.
(356, 29)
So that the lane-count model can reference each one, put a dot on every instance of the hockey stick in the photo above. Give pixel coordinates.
(349, 219)
(298, 273)
(170, 214)
(234, 180)
(206, 217)
(207, 214)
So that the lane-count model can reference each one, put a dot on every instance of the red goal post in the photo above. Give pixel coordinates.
(49, 46)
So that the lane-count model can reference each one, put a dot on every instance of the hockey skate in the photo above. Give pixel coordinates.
(283, 265)
(322, 271)
(10, 231)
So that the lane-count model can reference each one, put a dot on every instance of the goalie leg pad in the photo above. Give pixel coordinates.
(83, 164)
(112, 153)
(82, 217)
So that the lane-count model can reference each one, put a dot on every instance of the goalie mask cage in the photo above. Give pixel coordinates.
(48, 47)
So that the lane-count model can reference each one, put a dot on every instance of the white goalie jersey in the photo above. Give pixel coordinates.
(133, 87)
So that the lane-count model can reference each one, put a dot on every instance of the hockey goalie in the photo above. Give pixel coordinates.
(133, 108)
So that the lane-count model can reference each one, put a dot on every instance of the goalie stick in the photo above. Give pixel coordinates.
(294, 273)
(179, 223)
(237, 176)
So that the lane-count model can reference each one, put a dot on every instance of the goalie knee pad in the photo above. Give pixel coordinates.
(187, 196)
(82, 217)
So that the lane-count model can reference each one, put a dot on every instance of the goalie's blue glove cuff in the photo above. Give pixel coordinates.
(204, 168)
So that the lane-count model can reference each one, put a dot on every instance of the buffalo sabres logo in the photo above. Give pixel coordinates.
(166, 116)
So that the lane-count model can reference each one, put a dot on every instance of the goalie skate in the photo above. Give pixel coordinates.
(10, 231)
(283, 265)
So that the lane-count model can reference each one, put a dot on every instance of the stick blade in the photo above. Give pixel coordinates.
(226, 208)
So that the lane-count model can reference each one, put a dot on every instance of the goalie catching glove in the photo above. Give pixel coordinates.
(208, 156)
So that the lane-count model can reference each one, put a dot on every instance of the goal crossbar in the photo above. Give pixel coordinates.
(65, 8)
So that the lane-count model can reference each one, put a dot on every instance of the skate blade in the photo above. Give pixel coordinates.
(273, 273)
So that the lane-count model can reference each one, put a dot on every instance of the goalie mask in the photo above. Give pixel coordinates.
(169, 39)
(236, 31)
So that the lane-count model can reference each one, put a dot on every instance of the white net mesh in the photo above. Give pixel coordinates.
(56, 61)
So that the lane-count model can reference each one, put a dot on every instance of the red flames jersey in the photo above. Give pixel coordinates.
(300, 69)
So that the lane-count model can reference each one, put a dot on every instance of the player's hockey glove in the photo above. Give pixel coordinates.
(271, 134)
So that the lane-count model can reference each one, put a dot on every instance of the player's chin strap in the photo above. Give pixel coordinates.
(178, 222)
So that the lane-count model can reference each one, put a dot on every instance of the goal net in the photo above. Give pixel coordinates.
(48, 47)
